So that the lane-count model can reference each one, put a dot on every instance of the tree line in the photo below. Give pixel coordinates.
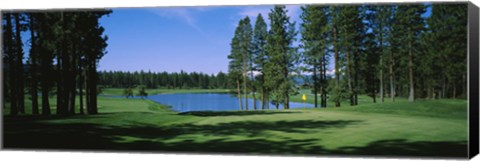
(174, 80)
(382, 51)
(64, 50)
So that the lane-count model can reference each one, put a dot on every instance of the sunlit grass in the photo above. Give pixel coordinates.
(425, 128)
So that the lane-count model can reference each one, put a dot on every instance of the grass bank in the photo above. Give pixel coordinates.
(431, 128)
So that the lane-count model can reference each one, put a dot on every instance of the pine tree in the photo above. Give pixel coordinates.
(33, 63)
(410, 25)
(314, 34)
(235, 63)
(260, 35)
(350, 29)
(20, 73)
(282, 56)
(10, 54)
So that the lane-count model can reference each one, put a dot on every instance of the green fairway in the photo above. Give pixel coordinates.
(423, 128)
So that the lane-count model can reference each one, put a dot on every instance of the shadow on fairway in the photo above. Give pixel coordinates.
(233, 113)
(150, 138)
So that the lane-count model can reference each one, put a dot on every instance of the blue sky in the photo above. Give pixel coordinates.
(193, 39)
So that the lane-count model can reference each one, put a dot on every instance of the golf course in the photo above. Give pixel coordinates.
(423, 128)
(290, 80)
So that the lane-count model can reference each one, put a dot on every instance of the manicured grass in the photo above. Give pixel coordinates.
(428, 128)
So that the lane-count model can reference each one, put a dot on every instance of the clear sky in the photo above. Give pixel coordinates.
(192, 39)
(177, 38)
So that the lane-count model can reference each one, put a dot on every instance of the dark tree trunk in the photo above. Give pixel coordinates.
(263, 97)
(19, 63)
(239, 95)
(72, 79)
(324, 82)
(411, 96)
(253, 88)
(381, 64)
(60, 75)
(392, 86)
(93, 88)
(80, 89)
(349, 79)
(336, 59)
(355, 78)
(33, 67)
(45, 101)
(9, 49)
(443, 88)
(245, 93)
(315, 84)
(454, 91)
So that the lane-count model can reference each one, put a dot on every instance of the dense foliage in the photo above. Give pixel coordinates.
(181, 80)
(377, 50)
(65, 48)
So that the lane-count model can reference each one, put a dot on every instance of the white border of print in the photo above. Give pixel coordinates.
(66, 4)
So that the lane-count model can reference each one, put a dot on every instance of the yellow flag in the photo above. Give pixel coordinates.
(304, 97)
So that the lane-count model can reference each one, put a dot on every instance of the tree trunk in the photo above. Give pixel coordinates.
(277, 103)
(443, 88)
(381, 85)
(411, 96)
(93, 87)
(253, 88)
(464, 89)
(336, 59)
(20, 73)
(349, 80)
(45, 101)
(245, 79)
(60, 81)
(454, 92)
(9, 49)
(315, 84)
(239, 95)
(381, 63)
(80, 89)
(87, 89)
(33, 69)
(355, 78)
(324, 82)
(263, 99)
(266, 99)
(392, 87)
(72, 79)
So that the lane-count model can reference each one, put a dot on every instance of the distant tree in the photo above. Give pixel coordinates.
(141, 92)
(128, 92)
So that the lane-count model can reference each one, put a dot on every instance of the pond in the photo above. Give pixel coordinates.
(184, 102)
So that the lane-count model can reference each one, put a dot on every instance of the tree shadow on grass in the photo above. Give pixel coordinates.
(233, 113)
(152, 138)
(402, 147)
